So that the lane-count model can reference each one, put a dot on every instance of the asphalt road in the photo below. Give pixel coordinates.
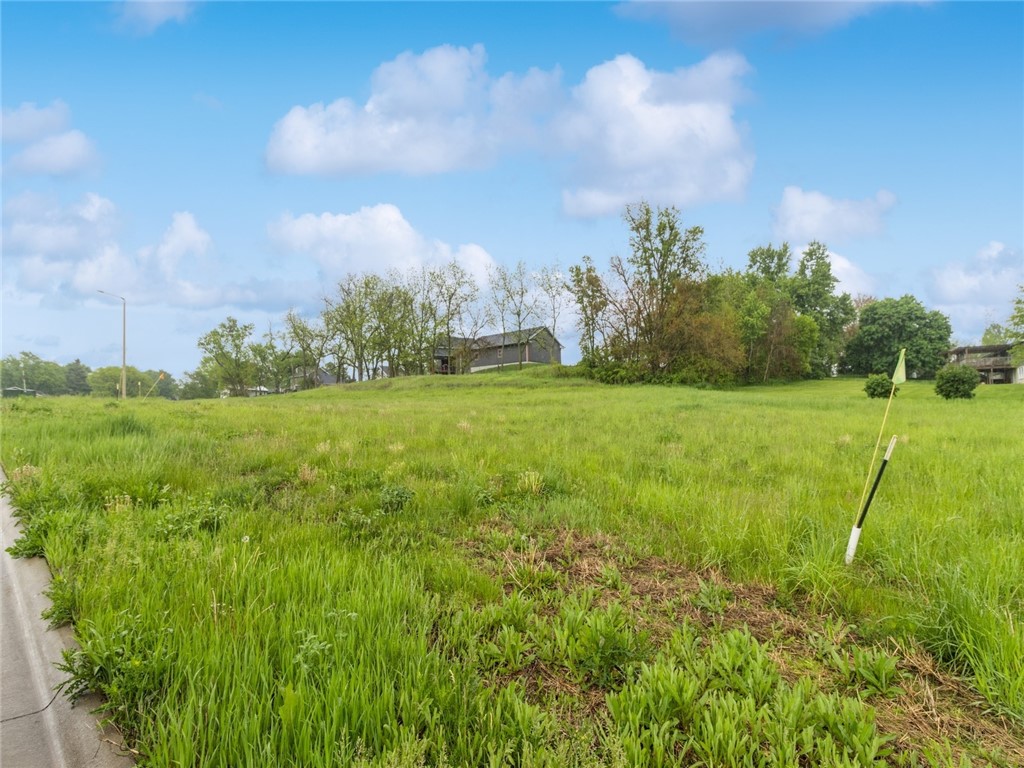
(37, 728)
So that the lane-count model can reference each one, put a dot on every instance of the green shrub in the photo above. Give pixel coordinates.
(879, 385)
(956, 381)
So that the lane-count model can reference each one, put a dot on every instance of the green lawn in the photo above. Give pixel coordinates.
(522, 569)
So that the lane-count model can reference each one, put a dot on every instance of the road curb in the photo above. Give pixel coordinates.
(38, 727)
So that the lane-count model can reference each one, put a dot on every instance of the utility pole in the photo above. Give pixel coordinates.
(124, 342)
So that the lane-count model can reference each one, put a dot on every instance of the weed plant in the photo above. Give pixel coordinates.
(372, 574)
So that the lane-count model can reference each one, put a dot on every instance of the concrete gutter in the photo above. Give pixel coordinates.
(38, 727)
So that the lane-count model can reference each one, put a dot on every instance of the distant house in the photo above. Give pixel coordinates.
(19, 392)
(992, 361)
(319, 378)
(538, 346)
(463, 350)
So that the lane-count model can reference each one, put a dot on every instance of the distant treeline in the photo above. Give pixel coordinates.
(29, 374)
(659, 314)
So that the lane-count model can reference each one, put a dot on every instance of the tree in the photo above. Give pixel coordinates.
(455, 291)
(201, 383)
(555, 295)
(310, 341)
(996, 333)
(31, 372)
(813, 292)
(1016, 328)
(514, 302)
(588, 291)
(227, 346)
(76, 378)
(350, 322)
(272, 361)
(632, 308)
(888, 325)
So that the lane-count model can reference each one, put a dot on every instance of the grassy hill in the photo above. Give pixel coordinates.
(523, 569)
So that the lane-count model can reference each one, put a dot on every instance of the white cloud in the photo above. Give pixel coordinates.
(183, 238)
(51, 150)
(62, 155)
(727, 22)
(29, 122)
(813, 215)
(429, 113)
(35, 225)
(666, 137)
(374, 238)
(62, 254)
(628, 132)
(979, 291)
(146, 16)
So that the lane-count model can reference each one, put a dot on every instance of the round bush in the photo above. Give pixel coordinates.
(955, 381)
(879, 385)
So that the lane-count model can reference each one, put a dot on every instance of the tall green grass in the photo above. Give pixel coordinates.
(289, 581)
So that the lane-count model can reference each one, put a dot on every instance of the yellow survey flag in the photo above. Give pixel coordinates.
(899, 376)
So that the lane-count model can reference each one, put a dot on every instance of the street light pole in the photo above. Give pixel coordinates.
(124, 342)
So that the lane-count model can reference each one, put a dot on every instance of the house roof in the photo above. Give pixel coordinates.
(513, 338)
(993, 348)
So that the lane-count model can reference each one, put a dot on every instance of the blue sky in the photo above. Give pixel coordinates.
(207, 159)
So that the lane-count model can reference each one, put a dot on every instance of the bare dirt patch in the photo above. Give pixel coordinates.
(929, 705)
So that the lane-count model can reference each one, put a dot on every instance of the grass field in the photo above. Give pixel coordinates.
(523, 569)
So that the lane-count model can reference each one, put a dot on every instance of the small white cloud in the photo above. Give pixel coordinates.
(727, 22)
(62, 155)
(373, 239)
(979, 291)
(812, 215)
(208, 101)
(666, 137)
(145, 16)
(183, 238)
(29, 122)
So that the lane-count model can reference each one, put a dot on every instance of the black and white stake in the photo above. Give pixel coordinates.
(851, 548)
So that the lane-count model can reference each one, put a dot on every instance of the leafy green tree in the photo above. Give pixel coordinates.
(31, 372)
(703, 334)
(202, 383)
(813, 289)
(587, 289)
(1015, 328)
(349, 320)
(272, 361)
(455, 294)
(514, 301)
(633, 307)
(996, 333)
(227, 346)
(76, 378)
(310, 341)
(888, 325)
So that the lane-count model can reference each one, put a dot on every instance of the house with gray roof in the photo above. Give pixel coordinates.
(530, 346)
